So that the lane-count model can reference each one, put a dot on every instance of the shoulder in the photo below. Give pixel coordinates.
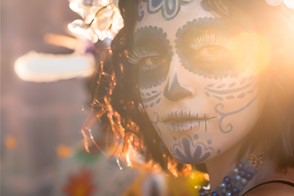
(282, 184)
(273, 189)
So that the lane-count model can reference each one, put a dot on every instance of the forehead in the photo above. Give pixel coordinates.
(170, 15)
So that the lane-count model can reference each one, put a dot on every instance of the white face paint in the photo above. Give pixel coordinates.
(198, 86)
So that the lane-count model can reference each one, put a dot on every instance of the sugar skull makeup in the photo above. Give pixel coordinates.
(152, 53)
(200, 98)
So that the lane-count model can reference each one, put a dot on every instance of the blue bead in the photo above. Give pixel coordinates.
(227, 179)
(214, 194)
(229, 186)
(235, 190)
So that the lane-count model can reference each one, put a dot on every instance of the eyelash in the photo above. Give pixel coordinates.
(208, 39)
(138, 54)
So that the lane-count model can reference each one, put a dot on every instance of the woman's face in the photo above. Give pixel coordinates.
(199, 79)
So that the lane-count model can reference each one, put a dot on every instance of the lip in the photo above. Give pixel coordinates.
(181, 121)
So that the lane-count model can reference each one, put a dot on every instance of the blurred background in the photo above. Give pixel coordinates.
(42, 111)
(40, 121)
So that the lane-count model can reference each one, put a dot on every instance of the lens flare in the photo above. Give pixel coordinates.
(289, 3)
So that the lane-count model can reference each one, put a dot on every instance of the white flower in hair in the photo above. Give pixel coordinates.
(100, 19)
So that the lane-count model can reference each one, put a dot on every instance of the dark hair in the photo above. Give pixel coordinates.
(125, 115)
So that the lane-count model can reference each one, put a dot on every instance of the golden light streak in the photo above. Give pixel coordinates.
(118, 164)
(61, 40)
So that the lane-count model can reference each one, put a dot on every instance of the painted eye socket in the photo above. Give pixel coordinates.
(205, 48)
(151, 63)
(152, 70)
(211, 54)
(152, 53)
(211, 60)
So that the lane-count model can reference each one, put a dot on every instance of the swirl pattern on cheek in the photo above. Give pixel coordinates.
(188, 152)
(238, 90)
(229, 127)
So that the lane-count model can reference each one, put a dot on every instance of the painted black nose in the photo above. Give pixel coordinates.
(175, 91)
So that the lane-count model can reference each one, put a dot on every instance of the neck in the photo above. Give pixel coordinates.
(220, 166)
(224, 164)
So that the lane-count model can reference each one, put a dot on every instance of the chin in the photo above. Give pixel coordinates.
(188, 151)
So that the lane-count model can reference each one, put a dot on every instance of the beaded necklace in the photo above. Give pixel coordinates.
(235, 182)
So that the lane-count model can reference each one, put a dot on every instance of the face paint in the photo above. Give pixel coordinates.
(198, 97)
(150, 98)
(187, 150)
(168, 8)
(174, 91)
(152, 53)
(141, 13)
(234, 90)
(204, 46)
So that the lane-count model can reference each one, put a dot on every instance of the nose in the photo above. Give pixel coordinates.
(174, 91)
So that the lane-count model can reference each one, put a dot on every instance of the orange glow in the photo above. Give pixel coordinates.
(64, 151)
(80, 184)
(289, 3)
(61, 40)
(10, 142)
(251, 51)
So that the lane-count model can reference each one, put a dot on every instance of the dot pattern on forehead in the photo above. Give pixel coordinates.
(204, 46)
(152, 53)
(169, 8)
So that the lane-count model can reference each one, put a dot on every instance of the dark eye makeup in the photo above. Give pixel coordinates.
(205, 47)
(152, 53)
